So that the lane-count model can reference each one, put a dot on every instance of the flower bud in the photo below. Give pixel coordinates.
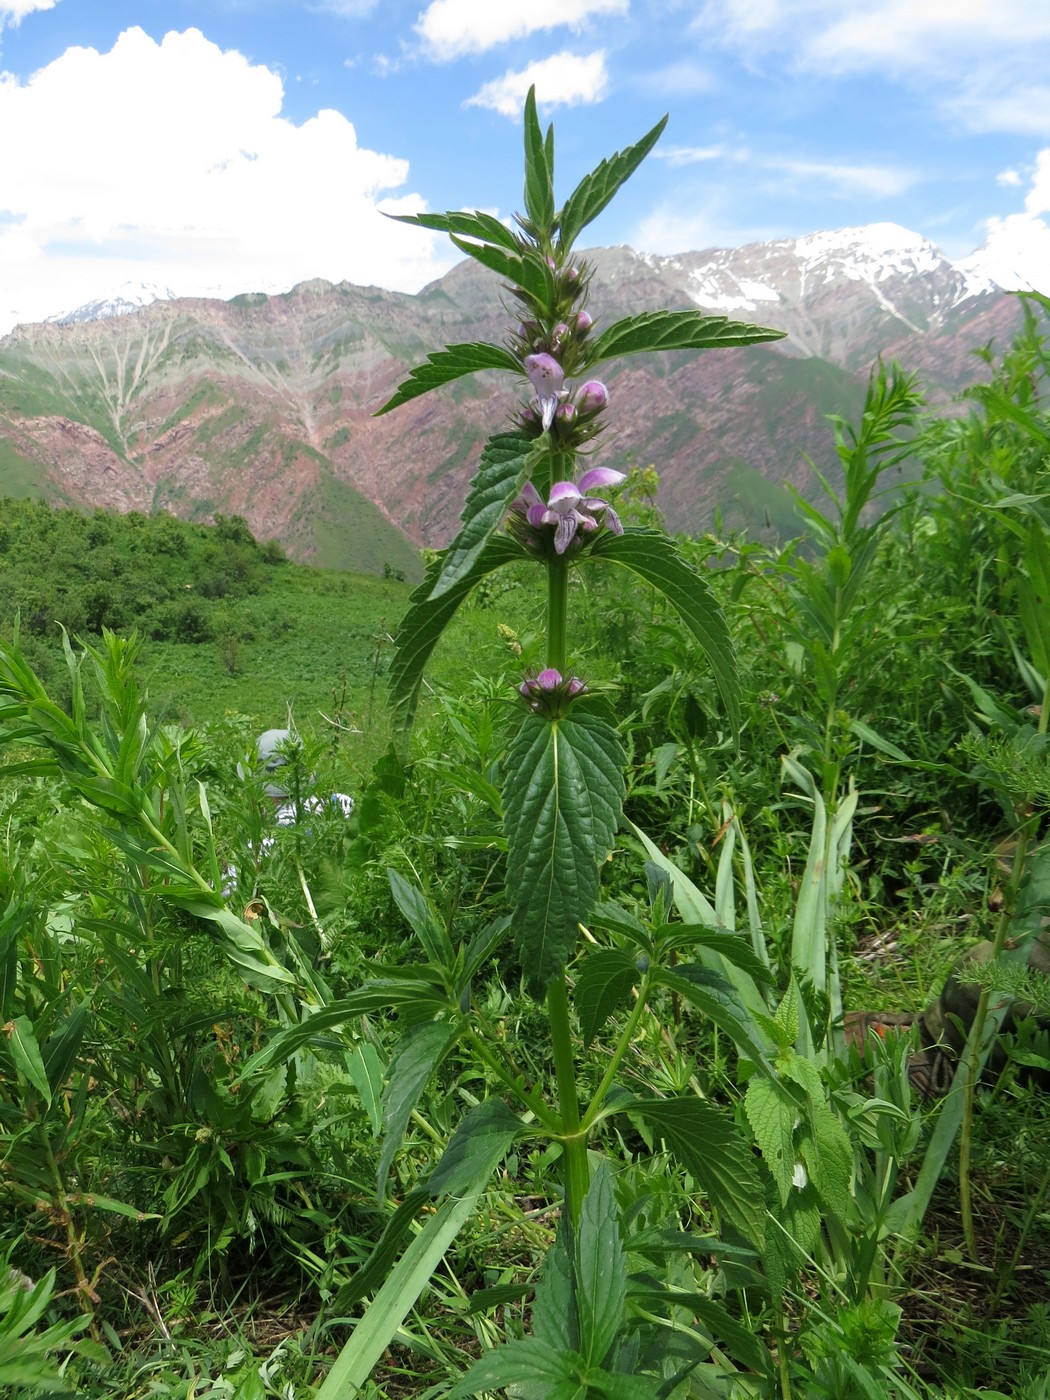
(592, 398)
(583, 322)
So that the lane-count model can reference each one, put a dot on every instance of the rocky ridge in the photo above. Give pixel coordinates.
(262, 406)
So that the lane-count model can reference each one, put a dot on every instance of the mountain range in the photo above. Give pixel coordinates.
(262, 406)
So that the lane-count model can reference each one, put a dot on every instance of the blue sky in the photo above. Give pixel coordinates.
(216, 146)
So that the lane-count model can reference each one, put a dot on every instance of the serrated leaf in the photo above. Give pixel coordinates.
(516, 1363)
(499, 260)
(481, 947)
(554, 1307)
(677, 330)
(706, 1142)
(729, 945)
(595, 190)
(539, 178)
(474, 224)
(505, 464)
(601, 1271)
(478, 1145)
(829, 1160)
(710, 993)
(25, 1052)
(653, 557)
(443, 366)
(426, 619)
(602, 984)
(772, 1116)
(418, 1056)
(562, 790)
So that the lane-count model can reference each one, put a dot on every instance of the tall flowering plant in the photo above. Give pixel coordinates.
(562, 789)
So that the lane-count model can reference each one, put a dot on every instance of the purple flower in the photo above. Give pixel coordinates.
(583, 322)
(570, 509)
(546, 377)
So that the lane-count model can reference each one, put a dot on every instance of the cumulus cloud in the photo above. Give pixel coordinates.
(451, 28)
(171, 163)
(563, 80)
(1016, 252)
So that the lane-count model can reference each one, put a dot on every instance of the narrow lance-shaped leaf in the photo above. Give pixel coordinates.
(504, 466)
(445, 365)
(474, 224)
(21, 1041)
(418, 1056)
(562, 790)
(427, 617)
(677, 330)
(539, 178)
(653, 557)
(595, 190)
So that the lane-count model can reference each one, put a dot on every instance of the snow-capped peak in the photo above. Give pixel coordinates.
(128, 298)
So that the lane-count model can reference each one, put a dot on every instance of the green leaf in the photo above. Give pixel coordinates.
(377, 1266)
(426, 619)
(499, 260)
(772, 1116)
(601, 1269)
(676, 330)
(706, 1142)
(21, 1041)
(710, 993)
(595, 190)
(366, 1071)
(505, 464)
(553, 1306)
(481, 947)
(484, 227)
(742, 1343)
(418, 1056)
(442, 366)
(602, 984)
(653, 557)
(378, 995)
(478, 1145)
(829, 1160)
(243, 946)
(526, 1361)
(422, 919)
(539, 178)
(562, 789)
(60, 1052)
(729, 945)
(392, 1304)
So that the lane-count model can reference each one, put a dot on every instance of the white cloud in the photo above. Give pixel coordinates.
(563, 80)
(171, 163)
(12, 11)
(985, 58)
(1008, 177)
(691, 155)
(1016, 253)
(669, 229)
(880, 181)
(451, 28)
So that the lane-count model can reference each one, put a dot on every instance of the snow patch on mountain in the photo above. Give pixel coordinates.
(126, 299)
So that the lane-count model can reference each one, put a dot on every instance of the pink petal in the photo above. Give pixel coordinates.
(600, 476)
(564, 491)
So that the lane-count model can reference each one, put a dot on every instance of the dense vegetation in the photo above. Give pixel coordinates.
(255, 1122)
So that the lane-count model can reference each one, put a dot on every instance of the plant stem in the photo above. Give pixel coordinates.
(576, 1171)
(514, 1082)
(594, 1108)
(557, 612)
